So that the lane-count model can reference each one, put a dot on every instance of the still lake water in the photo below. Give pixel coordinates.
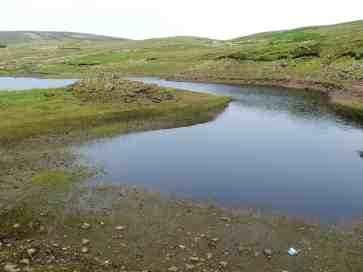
(272, 148)
(20, 83)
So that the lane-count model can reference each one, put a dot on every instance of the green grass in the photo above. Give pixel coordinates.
(59, 111)
(351, 109)
(98, 59)
(54, 179)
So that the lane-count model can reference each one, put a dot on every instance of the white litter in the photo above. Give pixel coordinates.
(292, 252)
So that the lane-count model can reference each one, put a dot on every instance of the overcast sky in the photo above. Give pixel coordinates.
(139, 19)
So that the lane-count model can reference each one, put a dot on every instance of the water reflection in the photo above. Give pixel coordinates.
(272, 148)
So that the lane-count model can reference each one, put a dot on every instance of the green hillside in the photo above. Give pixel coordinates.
(26, 37)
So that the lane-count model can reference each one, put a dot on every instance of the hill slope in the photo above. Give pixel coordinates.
(329, 42)
(26, 37)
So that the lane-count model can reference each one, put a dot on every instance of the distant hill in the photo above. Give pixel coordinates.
(329, 42)
(308, 33)
(11, 38)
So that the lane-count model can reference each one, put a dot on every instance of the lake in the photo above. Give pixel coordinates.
(20, 83)
(272, 149)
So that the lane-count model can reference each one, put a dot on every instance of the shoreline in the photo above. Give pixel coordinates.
(346, 99)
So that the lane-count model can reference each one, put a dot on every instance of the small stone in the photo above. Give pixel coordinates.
(28, 269)
(25, 261)
(16, 226)
(102, 223)
(86, 226)
(120, 228)
(223, 264)
(181, 246)
(85, 242)
(32, 251)
(268, 252)
(189, 267)
(209, 256)
(194, 259)
(226, 219)
(173, 269)
(84, 250)
(11, 268)
(1, 244)
(256, 254)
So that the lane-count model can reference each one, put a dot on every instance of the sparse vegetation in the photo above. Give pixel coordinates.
(98, 59)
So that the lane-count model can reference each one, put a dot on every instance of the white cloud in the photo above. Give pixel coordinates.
(145, 18)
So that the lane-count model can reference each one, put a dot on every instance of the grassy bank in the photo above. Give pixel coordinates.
(61, 111)
(351, 109)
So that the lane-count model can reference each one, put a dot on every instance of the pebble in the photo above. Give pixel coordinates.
(189, 266)
(11, 268)
(16, 226)
(223, 264)
(194, 259)
(226, 219)
(86, 226)
(85, 242)
(120, 228)
(181, 246)
(32, 251)
(268, 252)
(173, 269)
(28, 269)
(25, 261)
(84, 250)
(209, 256)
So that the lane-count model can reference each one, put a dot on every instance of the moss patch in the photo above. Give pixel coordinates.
(56, 179)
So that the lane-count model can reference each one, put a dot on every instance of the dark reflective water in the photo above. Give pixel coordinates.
(272, 148)
(20, 83)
